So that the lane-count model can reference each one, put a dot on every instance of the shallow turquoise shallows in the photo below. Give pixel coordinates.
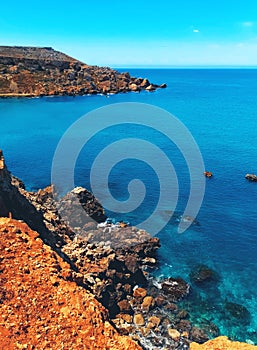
(219, 107)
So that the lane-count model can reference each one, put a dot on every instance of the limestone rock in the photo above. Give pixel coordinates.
(40, 306)
(139, 320)
(134, 87)
(154, 320)
(174, 334)
(35, 71)
(139, 293)
(148, 302)
(198, 335)
(222, 343)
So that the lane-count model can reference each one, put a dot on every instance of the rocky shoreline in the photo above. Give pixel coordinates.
(34, 71)
(115, 266)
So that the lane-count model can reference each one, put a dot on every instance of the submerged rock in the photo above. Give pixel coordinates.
(198, 335)
(210, 328)
(201, 274)
(238, 312)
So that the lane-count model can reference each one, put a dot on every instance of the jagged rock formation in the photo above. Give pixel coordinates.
(40, 306)
(251, 177)
(112, 265)
(109, 271)
(34, 71)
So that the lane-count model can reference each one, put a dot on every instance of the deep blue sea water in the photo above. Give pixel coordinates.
(219, 107)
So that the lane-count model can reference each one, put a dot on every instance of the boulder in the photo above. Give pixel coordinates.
(145, 83)
(238, 312)
(175, 288)
(131, 263)
(202, 273)
(139, 293)
(251, 177)
(150, 88)
(198, 335)
(139, 320)
(148, 302)
(154, 320)
(124, 306)
(134, 87)
(174, 334)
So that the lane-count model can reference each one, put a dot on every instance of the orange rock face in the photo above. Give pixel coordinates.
(222, 343)
(39, 307)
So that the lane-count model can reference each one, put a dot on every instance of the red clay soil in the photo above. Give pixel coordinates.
(39, 307)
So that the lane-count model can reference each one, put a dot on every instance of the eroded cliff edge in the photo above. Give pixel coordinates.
(42, 71)
(40, 306)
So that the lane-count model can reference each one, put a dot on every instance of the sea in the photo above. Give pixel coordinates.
(219, 109)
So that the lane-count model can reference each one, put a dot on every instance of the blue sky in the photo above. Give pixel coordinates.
(137, 33)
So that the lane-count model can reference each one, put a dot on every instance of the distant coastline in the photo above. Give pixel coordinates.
(34, 71)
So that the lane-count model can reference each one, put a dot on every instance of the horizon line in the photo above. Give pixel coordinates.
(183, 67)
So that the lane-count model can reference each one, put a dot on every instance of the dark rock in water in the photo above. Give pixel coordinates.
(201, 274)
(183, 326)
(198, 335)
(251, 177)
(210, 328)
(176, 288)
(238, 312)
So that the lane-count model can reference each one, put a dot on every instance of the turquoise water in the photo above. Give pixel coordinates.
(219, 107)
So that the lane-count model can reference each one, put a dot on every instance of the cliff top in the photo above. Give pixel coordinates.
(40, 307)
(35, 53)
(222, 343)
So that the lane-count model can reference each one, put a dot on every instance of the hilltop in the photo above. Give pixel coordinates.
(43, 71)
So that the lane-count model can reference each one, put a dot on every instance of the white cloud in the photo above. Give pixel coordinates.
(247, 24)
(196, 30)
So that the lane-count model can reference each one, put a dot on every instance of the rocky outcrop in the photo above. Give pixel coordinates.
(111, 262)
(33, 71)
(251, 177)
(40, 306)
(222, 343)
(202, 274)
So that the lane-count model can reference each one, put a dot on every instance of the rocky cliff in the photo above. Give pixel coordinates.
(34, 71)
(46, 279)
(40, 306)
